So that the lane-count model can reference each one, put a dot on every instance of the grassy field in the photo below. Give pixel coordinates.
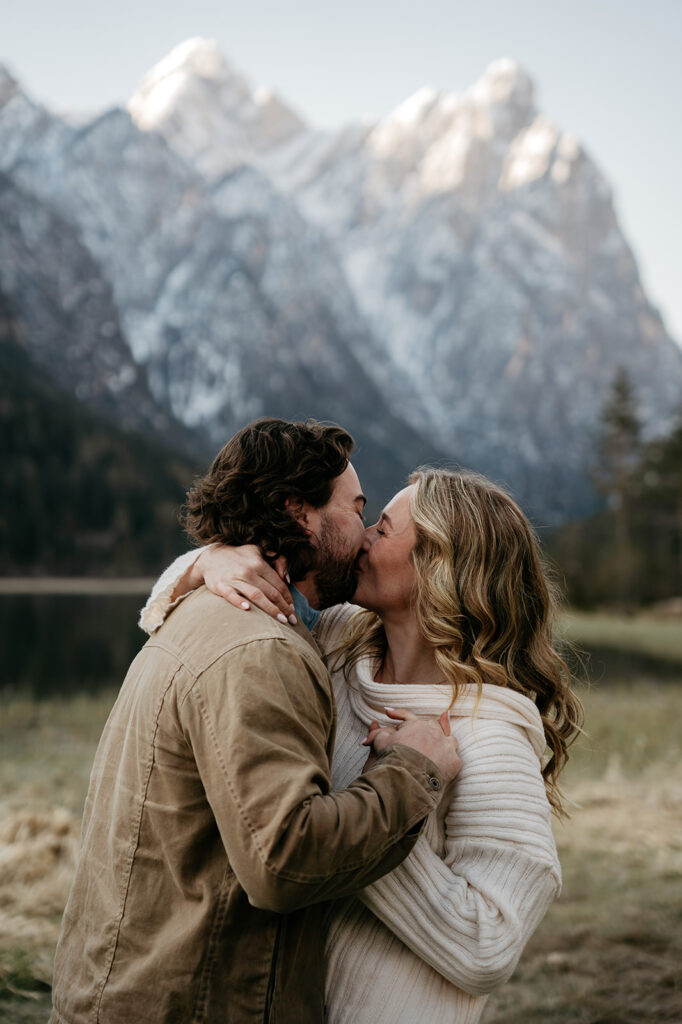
(638, 634)
(609, 951)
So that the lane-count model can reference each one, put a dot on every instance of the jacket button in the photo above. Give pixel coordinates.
(434, 783)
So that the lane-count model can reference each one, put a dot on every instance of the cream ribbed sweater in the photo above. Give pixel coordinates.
(428, 942)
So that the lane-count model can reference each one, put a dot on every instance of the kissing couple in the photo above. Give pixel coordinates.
(306, 810)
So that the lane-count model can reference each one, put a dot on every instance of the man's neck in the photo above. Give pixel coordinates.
(307, 587)
(303, 609)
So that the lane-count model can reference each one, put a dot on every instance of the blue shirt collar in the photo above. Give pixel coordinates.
(305, 613)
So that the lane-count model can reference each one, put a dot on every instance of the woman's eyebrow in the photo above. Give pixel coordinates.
(384, 517)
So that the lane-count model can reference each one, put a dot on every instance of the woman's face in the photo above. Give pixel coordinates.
(385, 571)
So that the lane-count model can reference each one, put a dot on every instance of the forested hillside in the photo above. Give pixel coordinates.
(630, 552)
(78, 495)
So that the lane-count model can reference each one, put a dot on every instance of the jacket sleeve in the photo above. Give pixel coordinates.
(159, 603)
(259, 722)
(470, 914)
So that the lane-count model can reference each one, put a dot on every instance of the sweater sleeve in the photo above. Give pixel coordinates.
(159, 602)
(470, 914)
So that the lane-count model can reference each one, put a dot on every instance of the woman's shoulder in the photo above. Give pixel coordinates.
(497, 712)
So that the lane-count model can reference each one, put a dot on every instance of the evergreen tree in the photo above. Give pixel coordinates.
(630, 552)
(619, 446)
(659, 507)
(618, 453)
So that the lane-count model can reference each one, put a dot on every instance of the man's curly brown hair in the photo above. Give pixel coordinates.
(241, 500)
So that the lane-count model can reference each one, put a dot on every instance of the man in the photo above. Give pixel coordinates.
(211, 836)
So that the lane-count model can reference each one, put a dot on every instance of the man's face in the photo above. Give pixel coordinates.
(339, 533)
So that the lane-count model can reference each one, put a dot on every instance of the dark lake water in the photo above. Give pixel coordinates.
(55, 644)
(65, 644)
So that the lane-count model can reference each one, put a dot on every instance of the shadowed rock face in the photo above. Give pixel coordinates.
(449, 282)
(65, 316)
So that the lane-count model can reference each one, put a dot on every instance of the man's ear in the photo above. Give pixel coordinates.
(298, 509)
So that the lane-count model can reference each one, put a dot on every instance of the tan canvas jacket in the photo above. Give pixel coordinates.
(211, 836)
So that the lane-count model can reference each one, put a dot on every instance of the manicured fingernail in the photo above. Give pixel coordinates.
(246, 605)
(386, 708)
(293, 620)
(281, 618)
(287, 577)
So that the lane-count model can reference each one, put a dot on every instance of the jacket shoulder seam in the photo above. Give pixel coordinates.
(301, 651)
(176, 653)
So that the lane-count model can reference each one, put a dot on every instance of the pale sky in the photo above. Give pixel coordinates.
(608, 71)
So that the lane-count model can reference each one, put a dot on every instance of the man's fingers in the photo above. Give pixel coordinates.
(408, 716)
(373, 729)
(400, 714)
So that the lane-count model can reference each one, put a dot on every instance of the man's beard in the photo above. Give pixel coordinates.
(334, 575)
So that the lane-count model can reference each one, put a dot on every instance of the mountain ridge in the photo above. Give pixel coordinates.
(457, 266)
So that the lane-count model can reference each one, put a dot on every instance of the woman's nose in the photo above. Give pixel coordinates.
(369, 538)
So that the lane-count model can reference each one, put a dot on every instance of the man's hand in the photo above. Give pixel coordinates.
(243, 577)
(430, 737)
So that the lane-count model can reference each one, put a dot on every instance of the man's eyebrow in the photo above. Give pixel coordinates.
(360, 498)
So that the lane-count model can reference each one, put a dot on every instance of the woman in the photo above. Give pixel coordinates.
(457, 612)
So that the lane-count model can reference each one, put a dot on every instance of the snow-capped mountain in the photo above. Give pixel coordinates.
(498, 276)
(232, 303)
(482, 246)
(208, 111)
(450, 281)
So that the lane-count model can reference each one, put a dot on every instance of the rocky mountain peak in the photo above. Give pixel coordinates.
(506, 91)
(196, 56)
(505, 82)
(208, 110)
(194, 69)
(540, 149)
(8, 86)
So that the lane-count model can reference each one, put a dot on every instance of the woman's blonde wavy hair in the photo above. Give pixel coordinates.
(485, 602)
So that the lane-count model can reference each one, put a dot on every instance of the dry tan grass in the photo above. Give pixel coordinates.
(47, 753)
(637, 821)
(38, 849)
